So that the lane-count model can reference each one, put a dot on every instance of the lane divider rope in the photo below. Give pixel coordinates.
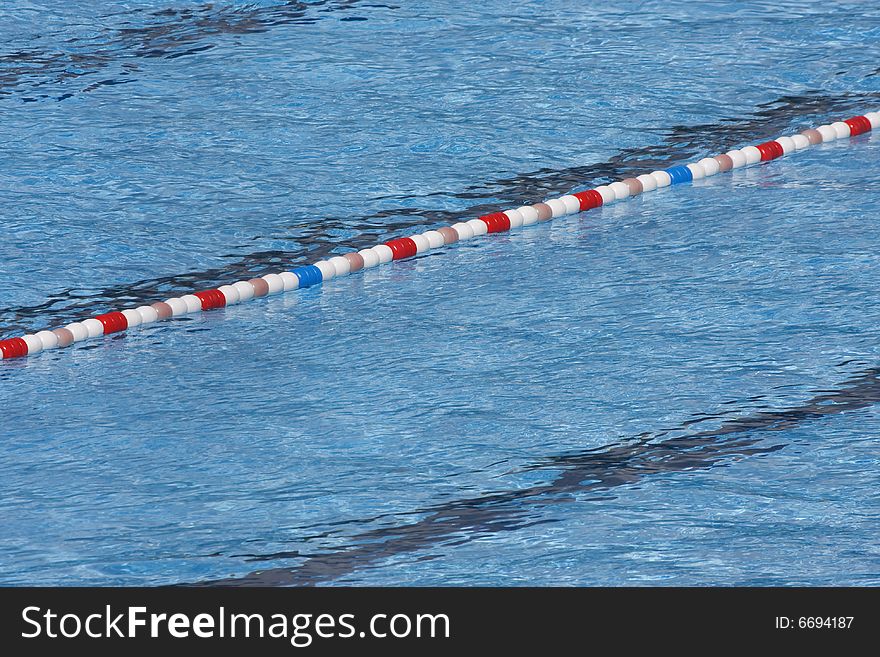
(407, 247)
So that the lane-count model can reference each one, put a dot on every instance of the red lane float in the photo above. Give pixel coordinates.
(496, 222)
(770, 150)
(858, 125)
(589, 199)
(402, 247)
(113, 322)
(211, 299)
(407, 247)
(13, 348)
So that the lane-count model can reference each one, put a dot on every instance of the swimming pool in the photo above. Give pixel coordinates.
(677, 389)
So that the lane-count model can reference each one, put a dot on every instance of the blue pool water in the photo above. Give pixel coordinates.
(678, 389)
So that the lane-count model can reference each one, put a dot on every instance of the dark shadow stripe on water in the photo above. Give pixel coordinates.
(591, 472)
(37, 74)
(320, 238)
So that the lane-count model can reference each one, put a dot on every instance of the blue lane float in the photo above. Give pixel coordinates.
(308, 275)
(680, 174)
